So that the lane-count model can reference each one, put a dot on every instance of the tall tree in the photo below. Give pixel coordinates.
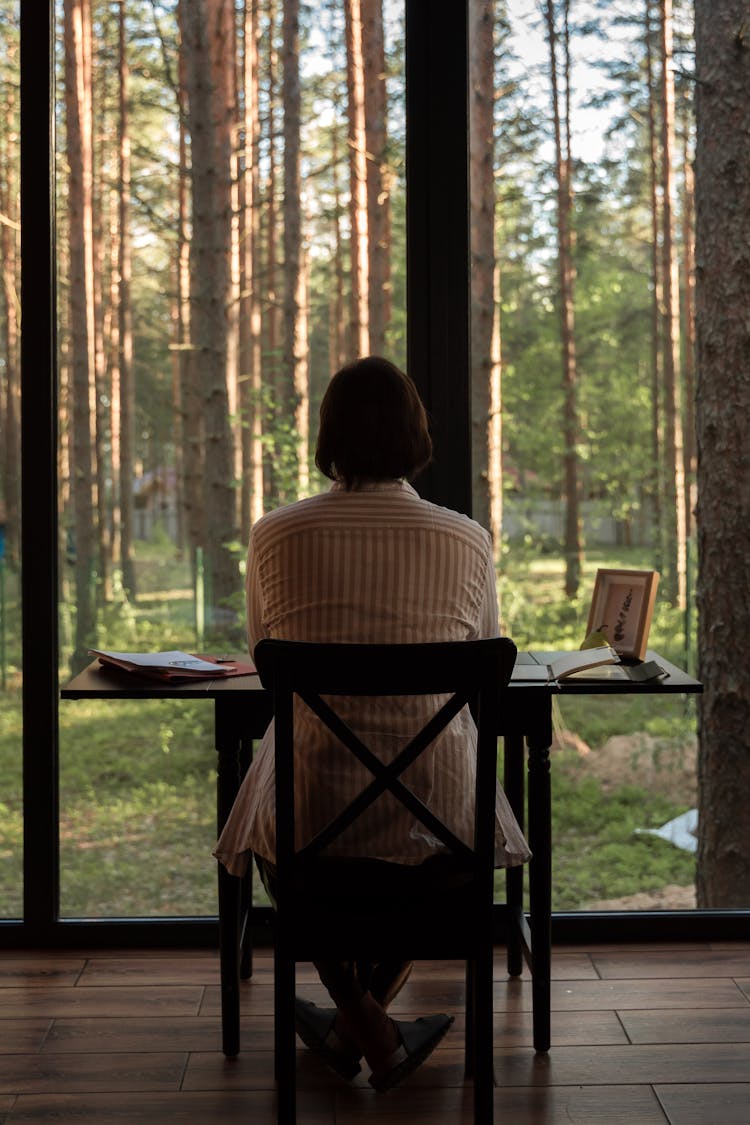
(688, 320)
(126, 466)
(378, 173)
(722, 195)
(482, 227)
(674, 482)
(189, 398)
(295, 299)
(79, 152)
(566, 275)
(657, 437)
(208, 39)
(10, 388)
(273, 374)
(251, 279)
(359, 330)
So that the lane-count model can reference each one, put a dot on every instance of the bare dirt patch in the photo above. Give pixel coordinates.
(662, 765)
(671, 897)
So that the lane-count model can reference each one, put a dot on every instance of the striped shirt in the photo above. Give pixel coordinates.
(376, 564)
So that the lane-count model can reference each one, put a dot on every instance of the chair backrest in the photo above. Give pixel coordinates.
(467, 672)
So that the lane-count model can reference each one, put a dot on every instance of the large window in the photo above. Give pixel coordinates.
(232, 223)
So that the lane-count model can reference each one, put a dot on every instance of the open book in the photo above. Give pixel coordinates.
(552, 666)
(174, 665)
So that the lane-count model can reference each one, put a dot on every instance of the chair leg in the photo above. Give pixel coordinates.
(469, 1038)
(229, 940)
(246, 930)
(484, 1070)
(284, 1038)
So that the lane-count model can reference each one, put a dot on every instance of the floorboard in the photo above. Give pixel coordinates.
(641, 1035)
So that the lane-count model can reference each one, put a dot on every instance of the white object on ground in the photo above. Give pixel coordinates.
(680, 831)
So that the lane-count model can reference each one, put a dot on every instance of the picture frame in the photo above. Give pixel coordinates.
(622, 607)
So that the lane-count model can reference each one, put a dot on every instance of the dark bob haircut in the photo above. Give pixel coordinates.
(373, 425)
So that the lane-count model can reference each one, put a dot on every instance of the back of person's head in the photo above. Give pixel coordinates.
(373, 425)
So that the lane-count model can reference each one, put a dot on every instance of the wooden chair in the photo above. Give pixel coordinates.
(472, 672)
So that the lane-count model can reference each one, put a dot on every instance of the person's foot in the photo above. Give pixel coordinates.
(418, 1039)
(393, 1049)
(316, 1028)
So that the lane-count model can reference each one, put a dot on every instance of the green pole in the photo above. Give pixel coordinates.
(200, 598)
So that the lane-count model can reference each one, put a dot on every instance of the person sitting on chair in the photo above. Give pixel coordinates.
(369, 561)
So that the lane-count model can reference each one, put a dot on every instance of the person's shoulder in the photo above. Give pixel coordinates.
(459, 524)
(288, 515)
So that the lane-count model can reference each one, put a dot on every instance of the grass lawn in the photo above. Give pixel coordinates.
(137, 781)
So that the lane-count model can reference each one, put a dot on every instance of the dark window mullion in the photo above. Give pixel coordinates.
(39, 473)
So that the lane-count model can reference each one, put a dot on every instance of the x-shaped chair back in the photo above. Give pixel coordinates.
(468, 672)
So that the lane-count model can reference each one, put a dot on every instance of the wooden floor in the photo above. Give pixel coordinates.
(640, 1036)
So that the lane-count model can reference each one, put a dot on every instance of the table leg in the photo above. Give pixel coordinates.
(246, 899)
(228, 727)
(540, 879)
(513, 783)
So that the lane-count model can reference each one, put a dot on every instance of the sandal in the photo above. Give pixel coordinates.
(418, 1040)
(315, 1027)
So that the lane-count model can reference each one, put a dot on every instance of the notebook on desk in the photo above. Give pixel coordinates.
(602, 665)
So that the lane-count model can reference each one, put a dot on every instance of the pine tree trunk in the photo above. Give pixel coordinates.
(125, 330)
(359, 328)
(10, 400)
(191, 414)
(657, 442)
(482, 227)
(208, 36)
(295, 335)
(99, 94)
(77, 31)
(722, 196)
(495, 426)
(250, 287)
(573, 530)
(674, 490)
(378, 177)
(688, 271)
(337, 326)
(273, 375)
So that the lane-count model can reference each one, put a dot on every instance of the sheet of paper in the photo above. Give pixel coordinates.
(172, 661)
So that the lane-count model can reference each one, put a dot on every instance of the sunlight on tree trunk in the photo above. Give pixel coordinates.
(80, 176)
(566, 271)
(125, 328)
(674, 490)
(10, 390)
(657, 437)
(359, 341)
(378, 174)
(482, 195)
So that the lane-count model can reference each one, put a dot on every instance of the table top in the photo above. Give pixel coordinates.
(98, 681)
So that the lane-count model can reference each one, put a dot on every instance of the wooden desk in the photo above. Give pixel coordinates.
(242, 712)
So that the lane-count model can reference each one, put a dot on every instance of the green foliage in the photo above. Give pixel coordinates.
(599, 852)
(137, 778)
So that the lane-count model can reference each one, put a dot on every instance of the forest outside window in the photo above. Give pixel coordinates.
(582, 339)
(197, 331)
(230, 231)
